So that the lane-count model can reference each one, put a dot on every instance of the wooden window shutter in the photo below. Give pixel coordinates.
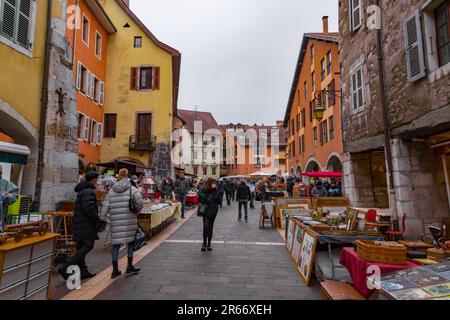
(102, 93)
(156, 78)
(321, 133)
(8, 26)
(331, 93)
(23, 25)
(134, 78)
(78, 81)
(99, 133)
(414, 47)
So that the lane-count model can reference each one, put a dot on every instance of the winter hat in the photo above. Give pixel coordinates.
(123, 173)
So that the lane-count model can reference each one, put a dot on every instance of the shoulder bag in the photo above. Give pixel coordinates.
(133, 206)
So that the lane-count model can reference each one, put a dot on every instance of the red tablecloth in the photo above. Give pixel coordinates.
(357, 268)
(192, 199)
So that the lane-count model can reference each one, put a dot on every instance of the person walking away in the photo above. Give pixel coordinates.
(221, 190)
(84, 226)
(209, 197)
(228, 191)
(8, 195)
(319, 190)
(334, 190)
(243, 196)
(181, 187)
(252, 188)
(167, 188)
(124, 223)
(233, 190)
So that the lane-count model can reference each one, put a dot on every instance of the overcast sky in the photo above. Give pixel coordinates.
(238, 56)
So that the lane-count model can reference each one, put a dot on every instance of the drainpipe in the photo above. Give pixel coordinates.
(44, 105)
(386, 125)
(75, 32)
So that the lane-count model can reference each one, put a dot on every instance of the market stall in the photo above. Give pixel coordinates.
(156, 216)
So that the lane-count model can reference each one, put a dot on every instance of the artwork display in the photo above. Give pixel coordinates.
(439, 267)
(397, 284)
(290, 235)
(427, 280)
(307, 255)
(411, 294)
(297, 244)
(439, 290)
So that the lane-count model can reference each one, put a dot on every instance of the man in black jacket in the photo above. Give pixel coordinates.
(243, 195)
(221, 191)
(85, 225)
(181, 188)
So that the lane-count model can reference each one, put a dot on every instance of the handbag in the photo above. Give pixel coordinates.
(140, 239)
(133, 206)
(202, 209)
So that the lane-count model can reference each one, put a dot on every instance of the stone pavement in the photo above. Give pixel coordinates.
(246, 263)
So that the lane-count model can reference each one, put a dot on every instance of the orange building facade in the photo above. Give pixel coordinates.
(89, 39)
(315, 145)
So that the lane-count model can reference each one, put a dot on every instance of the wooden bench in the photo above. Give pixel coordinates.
(337, 290)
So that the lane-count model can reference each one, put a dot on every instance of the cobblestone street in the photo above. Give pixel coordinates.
(246, 263)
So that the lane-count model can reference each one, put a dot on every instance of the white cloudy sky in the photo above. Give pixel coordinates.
(239, 56)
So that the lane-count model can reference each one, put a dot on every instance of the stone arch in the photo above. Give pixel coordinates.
(298, 172)
(313, 165)
(334, 163)
(15, 125)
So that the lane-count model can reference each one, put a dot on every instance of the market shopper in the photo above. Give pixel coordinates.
(221, 190)
(319, 190)
(233, 190)
(167, 189)
(124, 223)
(243, 195)
(252, 187)
(181, 188)
(85, 224)
(8, 195)
(228, 190)
(263, 190)
(200, 185)
(210, 198)
(334, 190)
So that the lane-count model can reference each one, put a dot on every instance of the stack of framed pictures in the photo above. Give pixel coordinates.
(301, 244)
(424, 283)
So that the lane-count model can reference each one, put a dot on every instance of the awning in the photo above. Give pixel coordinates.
(13, 153)
(326, 174)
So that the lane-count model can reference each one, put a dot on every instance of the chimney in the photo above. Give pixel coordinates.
(127, 2)
(325, 24)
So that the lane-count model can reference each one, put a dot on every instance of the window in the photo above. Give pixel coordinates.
(300, 150)
(415, 61)
(313, 77)
(80, 126)
(205, 171)
(299, 124)
(331, 93)
(98, 45)
(83, 78)
(310, 111)
(312, 55)
(355, 14)
(325, 131)
(86, 128)
(145, 78)
(357, 93)
(315, 136)
(293, 148)
(321, 133)
(298, 97)
(214, 171)
(331, 126)
(15, 21)
(292, 127)
(328, 62)
(305, 89)
(138, 42)
(85, 30)
(303, 144)
(93, 133)
(195, 170)
(441, 15)
(322, 69)
(110, 125)
(195, 154)
(303, 118)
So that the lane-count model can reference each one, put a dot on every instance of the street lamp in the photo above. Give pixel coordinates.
(318, 103)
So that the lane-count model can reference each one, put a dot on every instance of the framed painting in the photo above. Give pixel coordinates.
(297, 243)
(307, 256)
(290, 234)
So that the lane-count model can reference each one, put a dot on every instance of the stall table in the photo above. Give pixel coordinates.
(358, 267)
(151, 220)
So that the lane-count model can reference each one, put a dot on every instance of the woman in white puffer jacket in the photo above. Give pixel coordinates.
(123, 222)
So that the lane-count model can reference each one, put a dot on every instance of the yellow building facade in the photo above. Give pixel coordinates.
(141, 94)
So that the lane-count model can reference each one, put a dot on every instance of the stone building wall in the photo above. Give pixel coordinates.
(61, 146)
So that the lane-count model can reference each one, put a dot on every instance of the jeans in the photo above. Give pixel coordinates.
(79, 259)
(228, 194)
(221, 199)
(116, 248)
(182, 199)
(252, 199)
(208, 226)
(245, 205)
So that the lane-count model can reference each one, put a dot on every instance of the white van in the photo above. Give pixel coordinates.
(13, 159)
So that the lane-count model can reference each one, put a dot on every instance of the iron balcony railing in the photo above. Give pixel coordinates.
(142, 143)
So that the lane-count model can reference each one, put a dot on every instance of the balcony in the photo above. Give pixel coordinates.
(142, 144)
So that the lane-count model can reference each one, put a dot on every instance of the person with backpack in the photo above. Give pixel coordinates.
(118, 205)
(85, 225)
(209, 202)
(243, 195)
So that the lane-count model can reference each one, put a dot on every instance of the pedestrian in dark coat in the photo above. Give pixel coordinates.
(228, 190)
(243, 195)
(209, 197)
(85, 224)
(181, 187)
(167, 188)
(233, 190)
(221, 190)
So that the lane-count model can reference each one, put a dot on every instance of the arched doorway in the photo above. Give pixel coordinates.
(313, 166)
(334, 164)
(20, 131)
(292, 172)
(299, 172)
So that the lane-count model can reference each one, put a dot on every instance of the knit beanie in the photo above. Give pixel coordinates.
(123, 173)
